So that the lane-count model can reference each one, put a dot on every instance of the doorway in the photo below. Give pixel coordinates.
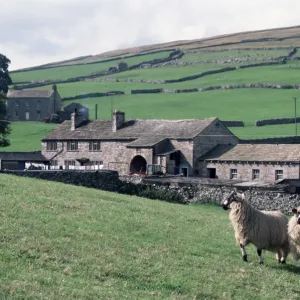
(138, 165)
(27, 115)
(212, 172)
(184, 172)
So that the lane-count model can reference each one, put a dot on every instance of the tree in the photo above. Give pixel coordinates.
(5, 81)
(5, 128)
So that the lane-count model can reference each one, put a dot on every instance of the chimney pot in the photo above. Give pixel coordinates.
(118, 119)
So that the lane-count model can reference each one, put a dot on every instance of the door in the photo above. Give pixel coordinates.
(27, 115)
(184, 172)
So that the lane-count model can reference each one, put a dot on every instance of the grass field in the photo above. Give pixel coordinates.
(224, 55)
(80, 70)
(26, 136)
(66, 242)
(241, 104)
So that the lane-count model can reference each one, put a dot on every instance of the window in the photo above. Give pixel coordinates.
(172, 156)
(72, 146)
(97, 163)
(54, 162)
(38, 114)
(17, 104)
(38, 104)
(51, 146)
(16, 114)
(27, 103)
(69, 163)
(233, 173)
(278, 174)
(255, 174)
(95, 146)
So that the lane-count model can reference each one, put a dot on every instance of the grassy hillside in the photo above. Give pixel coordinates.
(200, 56)
(67, 242)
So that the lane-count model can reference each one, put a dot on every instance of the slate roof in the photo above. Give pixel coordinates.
(22, 156)
(30, 93)
(71, 107)
(255, 152)
(146, 141)
(131, 130)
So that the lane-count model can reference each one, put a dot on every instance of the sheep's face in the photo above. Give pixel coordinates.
(234, 197)
(296, 212)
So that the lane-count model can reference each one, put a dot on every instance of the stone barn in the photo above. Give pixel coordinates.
(252, 162)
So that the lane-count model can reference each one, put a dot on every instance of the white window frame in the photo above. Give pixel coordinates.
(233, 173)
(51, 146)
(72, 146)
(95, 146)
(255, 174)
(278, 174)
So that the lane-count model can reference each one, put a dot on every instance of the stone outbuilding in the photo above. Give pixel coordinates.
(135, 146)
(32, 104)
(252, 162)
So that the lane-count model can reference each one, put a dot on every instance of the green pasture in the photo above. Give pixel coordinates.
(68, 242)
(71, 71)
(26, 136)
(224, 55)
(241, 104)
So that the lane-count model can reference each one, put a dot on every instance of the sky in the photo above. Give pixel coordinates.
(35, 32)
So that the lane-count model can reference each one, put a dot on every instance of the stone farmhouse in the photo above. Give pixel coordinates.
(132, 146)
(252, 162)
(32, 105)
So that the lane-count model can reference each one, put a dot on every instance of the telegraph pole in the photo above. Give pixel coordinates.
(295, 102)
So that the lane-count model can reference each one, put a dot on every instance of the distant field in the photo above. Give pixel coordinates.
(68, 242)
(266, 131)
(26, 136)
(224, 55)
(241, 104)
(80, 70)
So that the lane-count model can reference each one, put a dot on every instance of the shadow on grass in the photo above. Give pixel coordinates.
(288, 268)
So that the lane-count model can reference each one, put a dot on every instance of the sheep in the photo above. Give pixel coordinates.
(267, 230)
(294, 233)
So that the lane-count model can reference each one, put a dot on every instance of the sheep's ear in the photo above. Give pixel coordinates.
(243, 196)
(294, 210)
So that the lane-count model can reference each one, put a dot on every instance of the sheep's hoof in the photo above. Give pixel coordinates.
(245, 258)
(261, 262)
(279, 261)
(283, 262)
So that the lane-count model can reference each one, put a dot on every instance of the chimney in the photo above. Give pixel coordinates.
(118, 119)
(76, 119)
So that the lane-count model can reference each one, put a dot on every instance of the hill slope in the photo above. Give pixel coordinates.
(65, 242)
(246, 77)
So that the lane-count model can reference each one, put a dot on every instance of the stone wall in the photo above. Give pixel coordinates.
(104, 180)
(277, 121)
(216, 134)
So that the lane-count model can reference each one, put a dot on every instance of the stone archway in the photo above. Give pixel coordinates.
(138, 164)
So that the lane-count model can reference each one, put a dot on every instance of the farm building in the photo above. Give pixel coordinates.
(135, 146)
(22, 160)
(32, 105)
(252, 162)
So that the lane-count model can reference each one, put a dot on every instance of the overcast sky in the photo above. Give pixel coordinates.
(35, 32)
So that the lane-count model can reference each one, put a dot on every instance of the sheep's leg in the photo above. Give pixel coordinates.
(244, 254)
(278, 256)
(260, 259)
(285, 253)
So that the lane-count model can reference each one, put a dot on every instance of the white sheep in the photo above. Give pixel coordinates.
(294, 233)
(267, 230)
